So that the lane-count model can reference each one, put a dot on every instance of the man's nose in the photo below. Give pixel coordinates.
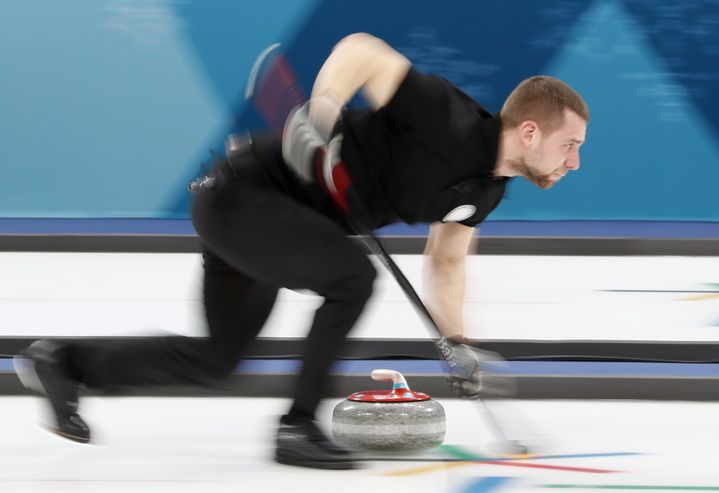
(572, 163)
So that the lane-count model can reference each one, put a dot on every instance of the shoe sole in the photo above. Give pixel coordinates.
(69, 436)
(294, 460)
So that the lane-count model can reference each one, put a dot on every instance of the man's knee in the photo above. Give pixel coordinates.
(366, 280)
(221, 365)
(221, 369)
(356, 284)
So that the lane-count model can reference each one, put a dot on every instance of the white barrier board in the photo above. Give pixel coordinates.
(508, 297)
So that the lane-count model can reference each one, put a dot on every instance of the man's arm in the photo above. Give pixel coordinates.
(358, 62)
(444, 274)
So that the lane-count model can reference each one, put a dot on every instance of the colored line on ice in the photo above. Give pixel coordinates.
(484, 485)
(465, 458)
(628, 487)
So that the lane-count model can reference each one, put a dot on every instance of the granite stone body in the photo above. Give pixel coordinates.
(389, 426)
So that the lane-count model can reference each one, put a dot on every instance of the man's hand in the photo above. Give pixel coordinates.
(302, 145)
(475, 372)
(315, 159)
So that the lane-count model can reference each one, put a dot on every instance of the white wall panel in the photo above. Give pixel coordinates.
(508, 297)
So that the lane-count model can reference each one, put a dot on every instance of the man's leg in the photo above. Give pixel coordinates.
(236, 307)
(277, 239)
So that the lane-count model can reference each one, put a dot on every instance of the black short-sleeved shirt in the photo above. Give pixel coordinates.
(427, 156)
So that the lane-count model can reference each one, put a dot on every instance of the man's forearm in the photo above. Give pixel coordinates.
(444, 283)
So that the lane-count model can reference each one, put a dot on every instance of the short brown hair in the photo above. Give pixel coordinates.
(542, 99)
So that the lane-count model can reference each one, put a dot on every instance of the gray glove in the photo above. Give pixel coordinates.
(310, 155)
(301, 143)
(475, 372)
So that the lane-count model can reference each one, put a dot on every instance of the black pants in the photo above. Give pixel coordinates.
(258, 234)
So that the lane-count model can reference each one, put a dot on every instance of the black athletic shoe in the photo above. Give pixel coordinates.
(301, 443)
(42, 371)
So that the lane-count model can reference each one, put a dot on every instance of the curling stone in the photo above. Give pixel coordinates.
(389, 420)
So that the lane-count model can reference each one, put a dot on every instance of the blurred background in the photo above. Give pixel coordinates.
(110, 106)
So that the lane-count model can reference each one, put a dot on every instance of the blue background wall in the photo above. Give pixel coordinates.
(109, 107)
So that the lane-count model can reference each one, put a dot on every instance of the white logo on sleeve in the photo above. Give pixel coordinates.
(460, 213)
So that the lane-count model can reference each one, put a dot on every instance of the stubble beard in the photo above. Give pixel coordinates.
(542, 181)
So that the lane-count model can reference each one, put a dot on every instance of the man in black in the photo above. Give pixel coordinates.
(269, 218)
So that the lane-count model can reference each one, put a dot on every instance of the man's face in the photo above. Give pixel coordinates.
(551, 156)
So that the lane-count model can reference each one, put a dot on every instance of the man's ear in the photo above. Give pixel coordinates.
(528, 131)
